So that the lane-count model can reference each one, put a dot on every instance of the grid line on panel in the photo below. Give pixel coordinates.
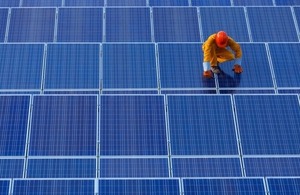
(7, 25)
(271, 68)
(295, 22)
(44, 66)
(168, 136)
(97, 137)
(157, 68)
(11, 185)
(200, 25)
(21, 3)
(55, 25)
(248, 24)
(152, 25)
(104, 24)
(101, 68)
(266, 186)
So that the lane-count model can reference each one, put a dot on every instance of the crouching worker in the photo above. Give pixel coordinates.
(215, 52)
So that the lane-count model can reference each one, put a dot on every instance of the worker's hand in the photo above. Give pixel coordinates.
(207, 74)
(237, 69)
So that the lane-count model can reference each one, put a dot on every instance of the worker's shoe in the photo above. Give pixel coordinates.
(237, 69)
(215, 69)
(207, 74)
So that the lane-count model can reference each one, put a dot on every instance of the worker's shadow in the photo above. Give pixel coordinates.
(227, 81)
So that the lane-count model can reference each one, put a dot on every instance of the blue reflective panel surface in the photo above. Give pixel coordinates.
(72, 66)
(3, 21)
(129, 66)
(181, 66)
(168, 2)
(252, 2)
(279, 186)
(13, 124)
(286, 63)
(211, 2)
(57, 187)
(61, 168)
(20, 69)
(196, 129)
(262, 167)
(135, 167)
(254, 58)
(206, 167)
(11, 168)
(84, 3)
(43, 3)
(176, 24)
(268, 125)
(132, 125)
(80, 25)
(223, 186)
(139, 187)
(4, 187)
(63, 125)
(9, 3)
(287, 2)
(236, 28)
(128, 25)
(126, 3)
(276, 24)
(32, 25)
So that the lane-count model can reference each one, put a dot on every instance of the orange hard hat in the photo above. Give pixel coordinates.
(221, 39)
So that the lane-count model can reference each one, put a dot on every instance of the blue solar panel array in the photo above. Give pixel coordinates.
(107, 97)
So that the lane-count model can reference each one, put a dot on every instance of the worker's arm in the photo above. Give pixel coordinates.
(209, 53)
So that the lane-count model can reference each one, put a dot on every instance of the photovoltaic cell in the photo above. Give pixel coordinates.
(279, 186)
(13, 124)
(128, 25)
(254, 58)
(168, 2)
(4, 187)
(211, 22)
(253, 3)
(286, 62)
(72, 66)
(211, 2)
(196, 129)
(61, 168)
(58, 187)
(267, 124)
(287, 2)
(126, 3)
(84, 3)
(132, 125)
(181, 66)
(43, 3)
(3, 21)
(32, 25)
(63, 125)
(206, 167)
(223, 186)
(80, 25)
(11, 168)
(139, 186)
(134, 167)
(129, 66)
(176, 24)
(275, 24)
(9, 3)
(277, 167)
(297, 14)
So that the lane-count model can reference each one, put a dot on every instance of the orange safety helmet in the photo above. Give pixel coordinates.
(221, 39)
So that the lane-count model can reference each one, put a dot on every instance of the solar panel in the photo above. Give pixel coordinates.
(279, 186)
(9, 3)
(168, 2)
(254, 58)
(4, 187)
(282, 55)
(11, 168)
(211, 22)
(84, 3)
(58, 187)
(132, 125)
(267, 124)
(128, 25)
(211, 2)
(13, 124)
(176, 24)
(201, 125)
(72, 66)
(128, 66)
(276, 166)
(275, 24)
(61, 168)
(253, 3)
(134, 167)
(3, 21)
(19, 68)
(139, 186)
(206, 167)
(126, 3)
(224, 186)
(181, 66)
(43, 3)
(80, 25)
(31, 25)
(287, 2)
(63, 125)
